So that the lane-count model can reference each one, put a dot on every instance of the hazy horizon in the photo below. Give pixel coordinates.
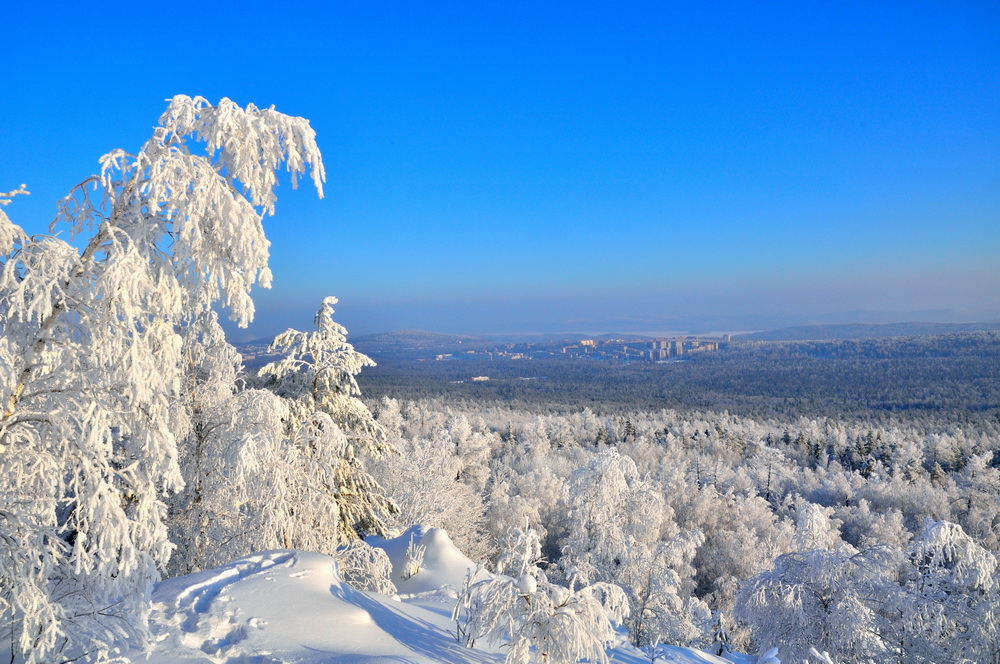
(554, 167)
(359, 323)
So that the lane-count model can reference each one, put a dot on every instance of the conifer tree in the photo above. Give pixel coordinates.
(317, 378)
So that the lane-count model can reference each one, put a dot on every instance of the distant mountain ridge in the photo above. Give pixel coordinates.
(864, 331)
(424, 340)
(411, 339)
(413, 336)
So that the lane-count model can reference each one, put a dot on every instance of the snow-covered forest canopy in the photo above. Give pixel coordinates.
(135, 446)
(865, 542)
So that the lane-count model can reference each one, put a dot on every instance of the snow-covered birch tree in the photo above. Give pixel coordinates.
(947, 605)
(211, 367)
(91, 362)
(817, 597)
(540, 621)
(613, 511)
(616, 522)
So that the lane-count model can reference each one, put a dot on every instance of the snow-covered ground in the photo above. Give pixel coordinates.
(292, 606)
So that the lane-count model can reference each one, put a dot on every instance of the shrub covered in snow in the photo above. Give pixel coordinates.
(539, 621)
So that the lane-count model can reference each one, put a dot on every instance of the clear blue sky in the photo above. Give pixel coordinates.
(564, 166)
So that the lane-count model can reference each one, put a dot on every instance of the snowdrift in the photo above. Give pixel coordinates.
(292, 606)
(443, 568)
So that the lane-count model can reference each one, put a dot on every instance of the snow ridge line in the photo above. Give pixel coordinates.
(200, 595)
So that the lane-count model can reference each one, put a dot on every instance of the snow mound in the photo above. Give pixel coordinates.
(285, 606)
(291, 606)
(442, 570)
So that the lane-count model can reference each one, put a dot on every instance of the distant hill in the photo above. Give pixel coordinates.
(624, 335)
(537, 337)
(557, 337)
(864, 331)
(412, 340)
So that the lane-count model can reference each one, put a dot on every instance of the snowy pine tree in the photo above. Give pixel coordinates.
(330, 424)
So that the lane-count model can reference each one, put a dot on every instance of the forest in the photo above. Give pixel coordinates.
(811, 532)
(837, 501)
(953, 377)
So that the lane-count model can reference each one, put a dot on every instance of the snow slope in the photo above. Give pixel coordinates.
(291, 606)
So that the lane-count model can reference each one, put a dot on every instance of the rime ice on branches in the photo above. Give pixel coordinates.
(91, 362)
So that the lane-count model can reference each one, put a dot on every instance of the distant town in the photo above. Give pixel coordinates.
(423, 346)
(625, 350)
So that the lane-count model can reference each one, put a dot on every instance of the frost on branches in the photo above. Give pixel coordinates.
(92, 363)
(616, 527)
(275, 469)
(819, 597)
(331, 425)
(541, 621)
(937, 601)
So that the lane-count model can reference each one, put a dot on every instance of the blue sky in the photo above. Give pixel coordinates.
(497, 167)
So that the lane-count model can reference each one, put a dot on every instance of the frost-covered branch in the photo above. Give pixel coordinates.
(91, 362)
(539, 621)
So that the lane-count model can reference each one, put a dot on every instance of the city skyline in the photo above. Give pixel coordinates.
(557, 168)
